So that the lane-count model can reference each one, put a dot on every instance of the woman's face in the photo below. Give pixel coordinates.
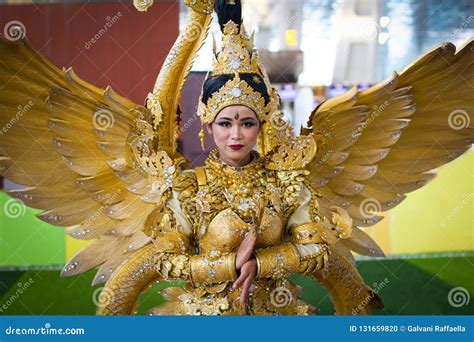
(235, 131)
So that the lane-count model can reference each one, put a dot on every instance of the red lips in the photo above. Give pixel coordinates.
(236, 147)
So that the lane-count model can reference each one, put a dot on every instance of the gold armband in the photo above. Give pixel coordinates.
(277, 262)
(212, 268)
(315, 262)
(306, 233)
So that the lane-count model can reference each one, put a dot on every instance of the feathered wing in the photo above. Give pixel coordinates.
(377, 145)
(71, 146)
(93, 161)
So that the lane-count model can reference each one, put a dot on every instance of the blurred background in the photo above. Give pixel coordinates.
(312, 50)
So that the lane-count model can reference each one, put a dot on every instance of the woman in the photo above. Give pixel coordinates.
(234, 229)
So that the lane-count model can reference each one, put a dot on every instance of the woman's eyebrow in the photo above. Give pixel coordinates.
(248, 119)
(224, 119)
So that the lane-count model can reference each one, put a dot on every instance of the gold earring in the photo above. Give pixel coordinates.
(202, 136)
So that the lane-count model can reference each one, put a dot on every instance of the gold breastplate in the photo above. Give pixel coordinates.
(227, 199)
(227, 230)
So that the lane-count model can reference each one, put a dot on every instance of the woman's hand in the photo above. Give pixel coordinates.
(245, 251)
(246, 266)
(248, 273)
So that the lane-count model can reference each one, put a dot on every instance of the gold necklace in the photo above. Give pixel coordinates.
(242, 186)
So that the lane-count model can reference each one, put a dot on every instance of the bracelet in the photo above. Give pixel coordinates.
(306, 233)
(212, 268)
(277, 262)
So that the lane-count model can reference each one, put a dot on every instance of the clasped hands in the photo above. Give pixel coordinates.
(246, 266)
(245, 262)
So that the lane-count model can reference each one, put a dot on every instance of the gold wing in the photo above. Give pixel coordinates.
(377, 145)
(67, 147)
(91, 160)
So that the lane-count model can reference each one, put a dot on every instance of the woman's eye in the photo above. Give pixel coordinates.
(248, 124)
(224, 124)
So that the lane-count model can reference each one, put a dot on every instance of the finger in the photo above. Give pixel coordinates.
(244, 254)
(242, 258)
(244, 273)
(250, 238)
(239, 281)
(245, 291)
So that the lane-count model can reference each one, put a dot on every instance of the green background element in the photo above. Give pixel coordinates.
(153, 297)
(415, 286)
(25, 240)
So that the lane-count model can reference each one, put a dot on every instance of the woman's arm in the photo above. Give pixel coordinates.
(176, 258)
(308, 236)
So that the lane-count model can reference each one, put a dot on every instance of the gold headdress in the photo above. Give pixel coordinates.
(237, 57)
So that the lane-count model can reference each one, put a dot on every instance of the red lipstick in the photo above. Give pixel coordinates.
(236, 147)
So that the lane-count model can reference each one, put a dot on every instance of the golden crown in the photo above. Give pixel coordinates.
(237, 53)
(236, 57)
(234, 92)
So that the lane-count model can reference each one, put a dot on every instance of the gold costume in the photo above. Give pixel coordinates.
(108, 170)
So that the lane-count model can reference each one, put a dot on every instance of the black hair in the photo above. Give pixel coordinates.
(226, 12)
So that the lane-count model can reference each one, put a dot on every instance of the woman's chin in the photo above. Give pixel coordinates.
(236, 156)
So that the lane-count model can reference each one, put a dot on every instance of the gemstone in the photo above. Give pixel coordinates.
(235, 64)
(236, 92)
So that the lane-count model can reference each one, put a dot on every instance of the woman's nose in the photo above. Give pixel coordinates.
(236, 132)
